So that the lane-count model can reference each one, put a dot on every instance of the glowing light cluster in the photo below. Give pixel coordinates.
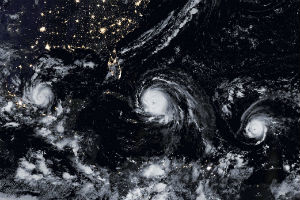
(91, 25)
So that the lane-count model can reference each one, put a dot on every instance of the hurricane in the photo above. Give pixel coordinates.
(39, 94)
(168, 100)
(263, 123)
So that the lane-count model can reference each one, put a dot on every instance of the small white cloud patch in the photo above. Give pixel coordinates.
(153, 171)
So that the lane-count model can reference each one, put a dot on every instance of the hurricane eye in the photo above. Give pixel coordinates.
(256, 128)
(155, 101)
